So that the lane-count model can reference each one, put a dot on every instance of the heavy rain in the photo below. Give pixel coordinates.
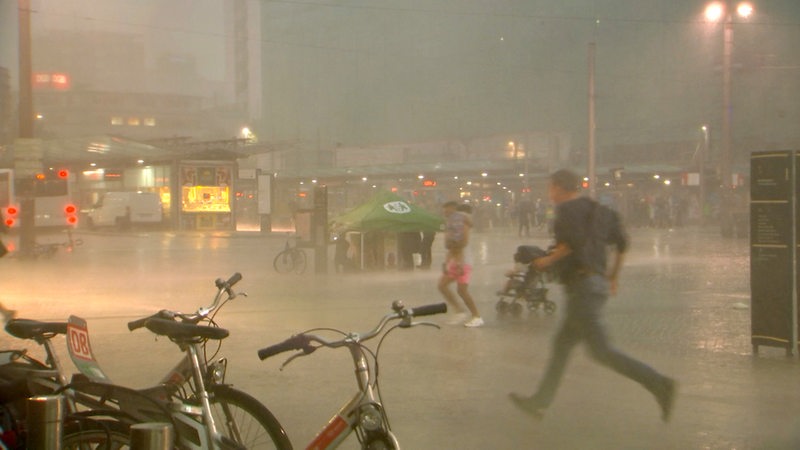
(158, 146)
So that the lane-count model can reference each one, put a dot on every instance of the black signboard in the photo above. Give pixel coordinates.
(773, 250)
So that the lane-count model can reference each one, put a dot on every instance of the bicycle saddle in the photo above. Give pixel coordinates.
(183, 331)
(31, 329)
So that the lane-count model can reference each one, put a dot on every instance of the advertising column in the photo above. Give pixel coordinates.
(773, 250)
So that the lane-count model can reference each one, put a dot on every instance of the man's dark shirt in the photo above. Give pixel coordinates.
(587, 228)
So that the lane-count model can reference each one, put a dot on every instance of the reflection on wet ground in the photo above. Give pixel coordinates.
(683, 307)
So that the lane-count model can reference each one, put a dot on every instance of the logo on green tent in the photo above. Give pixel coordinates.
(397, 207)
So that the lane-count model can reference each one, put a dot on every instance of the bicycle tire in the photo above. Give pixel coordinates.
(299, 261)
(283, 262)
(87, 435)
(247, 422)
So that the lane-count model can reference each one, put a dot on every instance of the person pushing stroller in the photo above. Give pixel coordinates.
(525, 283)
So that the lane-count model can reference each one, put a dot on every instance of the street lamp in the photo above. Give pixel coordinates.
(702, 176)
(716, 12)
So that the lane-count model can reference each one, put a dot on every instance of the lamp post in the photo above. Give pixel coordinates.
(702, 176)
(723, 11)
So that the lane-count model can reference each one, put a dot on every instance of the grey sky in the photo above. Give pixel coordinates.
(362, 72)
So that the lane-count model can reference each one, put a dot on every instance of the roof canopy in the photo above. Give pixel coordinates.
(388, 212)
(105, 150)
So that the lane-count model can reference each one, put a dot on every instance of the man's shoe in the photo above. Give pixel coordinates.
(475, 322)
(666, 398)
(528, 405)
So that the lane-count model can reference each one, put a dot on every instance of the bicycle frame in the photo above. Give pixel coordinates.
(198, 428)
(364, 412)
(49, 377)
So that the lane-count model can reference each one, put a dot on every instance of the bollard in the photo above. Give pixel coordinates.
(151, 436)
(45, 422)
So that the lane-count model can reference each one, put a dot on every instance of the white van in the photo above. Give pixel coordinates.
(127, 208)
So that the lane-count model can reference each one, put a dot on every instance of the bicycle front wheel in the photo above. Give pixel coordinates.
(245, 420)
(284, 262)
(299, 257)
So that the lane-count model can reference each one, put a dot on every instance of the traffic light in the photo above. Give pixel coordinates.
(71, 213)
(11, 214)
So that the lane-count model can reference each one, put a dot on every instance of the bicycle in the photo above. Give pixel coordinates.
(206, 412)
(91, 419)
(364, 413)
(49, 250)
(290, 259)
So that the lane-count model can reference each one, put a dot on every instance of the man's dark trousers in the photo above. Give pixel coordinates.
(586, 296)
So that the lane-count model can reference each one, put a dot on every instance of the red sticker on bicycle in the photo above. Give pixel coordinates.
(80, 350)
(79, 342)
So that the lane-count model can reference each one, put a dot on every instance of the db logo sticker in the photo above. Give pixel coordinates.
(78, 339)
(79, 343)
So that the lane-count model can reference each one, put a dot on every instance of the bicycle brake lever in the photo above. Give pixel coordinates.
(292, 358)
(410, 324)
(306, 350)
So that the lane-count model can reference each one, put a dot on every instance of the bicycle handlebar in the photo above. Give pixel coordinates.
(140, 323)
(429, 310)
(296, 342)
(303, 341)
(225, 286)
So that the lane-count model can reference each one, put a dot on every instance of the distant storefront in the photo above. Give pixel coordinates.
(195, 195)
(205, 189)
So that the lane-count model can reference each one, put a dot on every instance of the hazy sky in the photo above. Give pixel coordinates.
(193, 27)
(364, 71)
(360, 72)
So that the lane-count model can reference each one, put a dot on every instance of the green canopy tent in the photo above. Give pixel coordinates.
(387, 212)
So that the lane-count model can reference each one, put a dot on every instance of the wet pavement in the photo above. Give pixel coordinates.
(682, 307)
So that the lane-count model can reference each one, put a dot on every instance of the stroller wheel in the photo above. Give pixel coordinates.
(549, 307)
(501, 307)
(515, 309)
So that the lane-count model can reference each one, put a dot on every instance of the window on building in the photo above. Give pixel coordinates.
(134, 121)
(149, 121)
(116, 120)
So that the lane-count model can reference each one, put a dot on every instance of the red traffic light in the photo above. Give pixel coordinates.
(63, 173)
(11, 211)
(71, 212)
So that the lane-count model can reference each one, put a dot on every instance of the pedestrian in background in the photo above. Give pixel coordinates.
(458, 263)
(524, 212)
(583, 231)
(425, 249)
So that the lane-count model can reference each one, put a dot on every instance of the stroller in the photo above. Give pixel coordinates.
(526, 285)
